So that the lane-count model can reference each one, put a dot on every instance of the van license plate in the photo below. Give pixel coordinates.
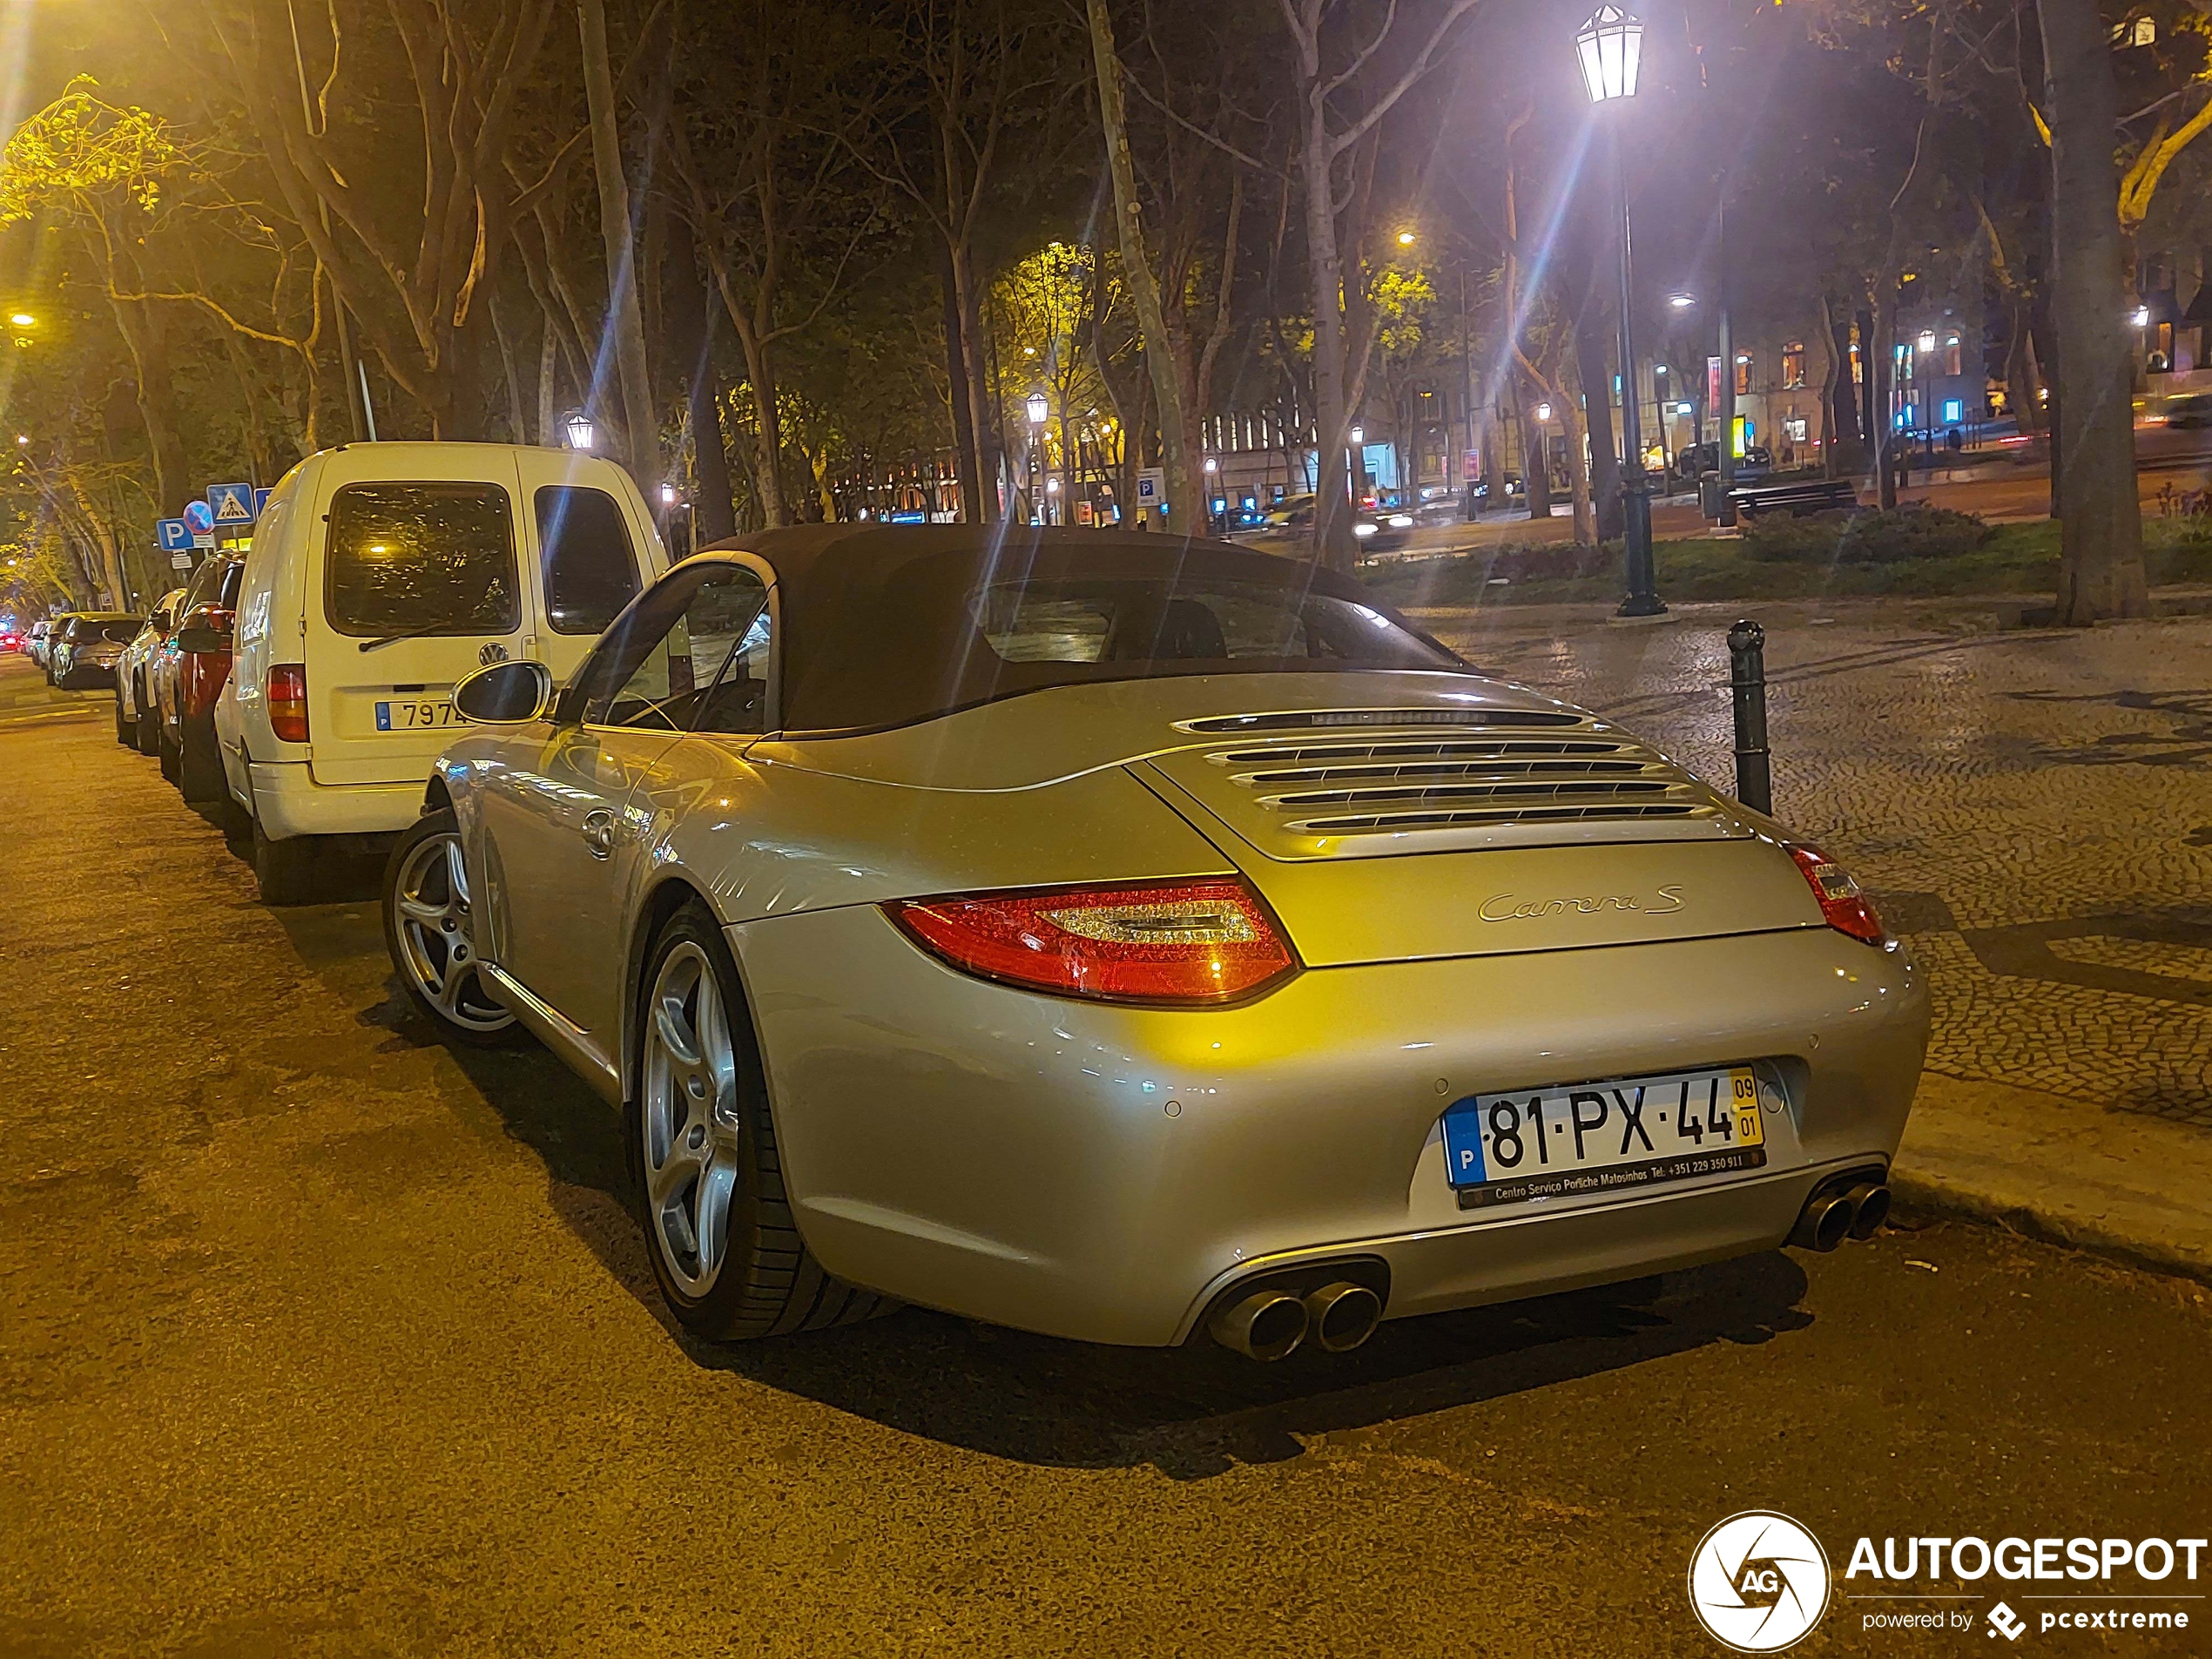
(1568, 1142)
(417, 716)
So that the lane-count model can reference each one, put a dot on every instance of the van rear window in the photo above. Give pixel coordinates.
(590, 572)
(422, 558)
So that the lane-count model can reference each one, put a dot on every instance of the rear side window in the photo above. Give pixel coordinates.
(422, 558)
(590, 572)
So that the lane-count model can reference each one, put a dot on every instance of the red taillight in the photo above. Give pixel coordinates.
(1842, 906)
(288, 701)
(1206, 941)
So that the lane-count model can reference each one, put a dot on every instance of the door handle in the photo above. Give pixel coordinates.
(599, 832)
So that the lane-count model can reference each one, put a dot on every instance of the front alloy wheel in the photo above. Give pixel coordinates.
(426, 925)
(691, 1129)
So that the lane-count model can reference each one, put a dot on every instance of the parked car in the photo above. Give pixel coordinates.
(1292, 512)
(381, 574)
(85, 653)
(1125, 939)
(136, 726)
(41, 638)
(189, 672)
(10, 640)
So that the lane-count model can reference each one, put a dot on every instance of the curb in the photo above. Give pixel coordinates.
(1918, 1194)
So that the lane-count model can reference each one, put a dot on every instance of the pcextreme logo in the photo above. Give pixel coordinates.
(1759, 1581)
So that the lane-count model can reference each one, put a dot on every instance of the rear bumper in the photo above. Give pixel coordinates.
(289, 803)
(1101, 1172)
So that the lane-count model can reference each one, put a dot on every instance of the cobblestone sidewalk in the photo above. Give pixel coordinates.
(2033, 810)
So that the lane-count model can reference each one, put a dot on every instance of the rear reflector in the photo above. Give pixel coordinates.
(288, 701)
(1842, 906)
(1199, 941)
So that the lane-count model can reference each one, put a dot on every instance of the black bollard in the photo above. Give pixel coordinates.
(1747, 680)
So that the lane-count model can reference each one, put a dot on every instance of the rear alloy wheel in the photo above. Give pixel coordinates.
(426, 929)
(171, 762)
(703, 1147)
(283, 871)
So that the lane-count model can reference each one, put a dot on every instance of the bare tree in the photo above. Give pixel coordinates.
(1340, 107)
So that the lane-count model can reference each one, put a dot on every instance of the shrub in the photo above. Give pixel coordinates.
(1906, 535)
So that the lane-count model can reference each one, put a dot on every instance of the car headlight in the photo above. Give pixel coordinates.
(1402, 520)
(1363, 529)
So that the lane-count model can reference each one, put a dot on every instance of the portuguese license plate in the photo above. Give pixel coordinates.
(1570, 1142)
(416, 715)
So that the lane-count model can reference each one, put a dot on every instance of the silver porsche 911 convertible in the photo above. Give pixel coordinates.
(1124, 939)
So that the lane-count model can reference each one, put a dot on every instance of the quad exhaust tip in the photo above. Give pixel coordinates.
(1342, 1316)
(1271, 1323)
(1830, 1217)
(1267, 1325)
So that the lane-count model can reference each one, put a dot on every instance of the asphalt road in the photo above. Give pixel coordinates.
(317, 1338)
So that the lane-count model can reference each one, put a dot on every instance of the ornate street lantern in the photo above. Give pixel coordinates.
(1608, 46)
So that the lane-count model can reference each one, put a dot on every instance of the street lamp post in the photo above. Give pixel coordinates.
(1609, 47)
(1039, 408)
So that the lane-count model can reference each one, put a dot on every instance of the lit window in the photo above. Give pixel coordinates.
(1954, 410)
(1857, 370)
(1742, 374)
(1793, 364)
(1950, 355)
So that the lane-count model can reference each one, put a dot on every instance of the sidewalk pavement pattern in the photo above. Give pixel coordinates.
(2033, 812)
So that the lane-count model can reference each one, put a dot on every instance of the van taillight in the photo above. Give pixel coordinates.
(288, 701)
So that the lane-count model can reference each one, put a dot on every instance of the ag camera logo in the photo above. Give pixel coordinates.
(1759, 1581)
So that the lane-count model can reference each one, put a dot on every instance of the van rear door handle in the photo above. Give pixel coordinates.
(599, 831)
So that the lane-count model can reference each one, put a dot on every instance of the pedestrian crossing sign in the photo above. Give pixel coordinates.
(233, 504)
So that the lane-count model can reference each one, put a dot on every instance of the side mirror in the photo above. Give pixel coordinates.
(199, 636)
(512, 693)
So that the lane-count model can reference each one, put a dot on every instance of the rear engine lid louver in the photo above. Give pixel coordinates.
(1359, 782)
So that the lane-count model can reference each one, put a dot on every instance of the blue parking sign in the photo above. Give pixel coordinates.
(172, 534)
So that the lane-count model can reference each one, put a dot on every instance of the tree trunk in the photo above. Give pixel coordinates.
(2100, 546)
(967, 454)
(690, 312)
(1184, 514)
(641, 426)
(768, 435)
(549, 347)
(144, 332)
(981, 379)
(1592, 326)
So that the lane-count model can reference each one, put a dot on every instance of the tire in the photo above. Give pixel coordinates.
(426, 930)
(284, 870)
(126, 731)
(148, 728)
(702, 1143)
(172, 761)
(200, 768)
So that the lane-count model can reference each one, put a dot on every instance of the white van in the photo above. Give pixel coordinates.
(379, 574)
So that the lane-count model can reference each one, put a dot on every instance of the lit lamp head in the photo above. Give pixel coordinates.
(581, 433)
(1608, 46)
(1212, 465)
(2140, 317)
(1038, 408)
(1543, 411)
(667, 495)
(1359, 435)
(1680, 300)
